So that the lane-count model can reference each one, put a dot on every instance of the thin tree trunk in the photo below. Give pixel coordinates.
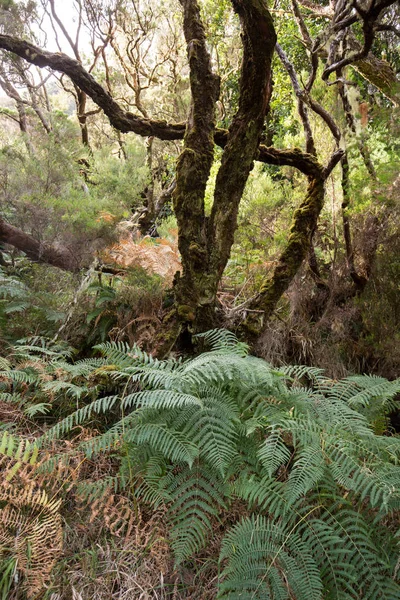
(305, 218)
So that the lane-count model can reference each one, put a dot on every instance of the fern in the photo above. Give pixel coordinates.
(222, 339)
(297, 452)
(273, 453)
(27, 376)
(196, 497)
(21, 451)
(30, 523)
(267, 561)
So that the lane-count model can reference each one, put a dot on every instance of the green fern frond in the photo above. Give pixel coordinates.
(5, 364)
(262, 554)
(373, 389)
(124, 355)
(40, 408)
(373, 579)
(16, 306)
(90, 491)
(293, 450)
(99, 406)
(13, 398)
(172, 444)
(306, 472)
(70, 389)
(20, 376)
(197, 496)
(223, 339)
(82, 368)
(300, 372)
(21, 451)
(160, 399)
(273, 453)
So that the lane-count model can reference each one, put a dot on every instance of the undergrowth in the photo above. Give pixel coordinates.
(267, 483)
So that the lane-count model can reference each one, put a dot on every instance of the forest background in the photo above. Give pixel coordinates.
(173, 168)
(70, 197)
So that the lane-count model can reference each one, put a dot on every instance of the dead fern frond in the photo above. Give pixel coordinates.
(114, 510)
(30, 521)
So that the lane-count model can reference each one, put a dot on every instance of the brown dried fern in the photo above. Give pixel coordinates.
(30, 521)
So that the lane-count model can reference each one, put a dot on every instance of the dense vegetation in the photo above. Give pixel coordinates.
(263, 487)
(194, 195)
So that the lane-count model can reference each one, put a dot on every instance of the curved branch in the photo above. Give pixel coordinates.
(322, 11)
(127, 122)
(300, 94)
(260, 308)
(259, 38)
(369, 18)
(120, 119)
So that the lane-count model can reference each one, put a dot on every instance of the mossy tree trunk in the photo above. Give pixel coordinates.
(305, 218)
(205, 243)
(193, 170)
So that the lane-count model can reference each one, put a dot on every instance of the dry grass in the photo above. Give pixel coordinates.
(137, 567)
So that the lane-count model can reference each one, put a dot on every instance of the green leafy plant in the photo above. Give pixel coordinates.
(31, 299)
(318, 490)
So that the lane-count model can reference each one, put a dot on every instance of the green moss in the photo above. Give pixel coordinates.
(186, 313)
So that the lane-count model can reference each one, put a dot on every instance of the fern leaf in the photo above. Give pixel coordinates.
(160, 399)
(196, 495)
(172, 444)
(273, 452)
(255, 548)
(308, 469)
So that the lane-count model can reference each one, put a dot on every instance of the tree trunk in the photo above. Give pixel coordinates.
(192, 290)
(205, 244)
(305, 218)
(37, 251)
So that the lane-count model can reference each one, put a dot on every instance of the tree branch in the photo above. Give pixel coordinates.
(369, 17)
(259, 38)
(120, 119)
(37, 251)
(125, 121)
(302, 110)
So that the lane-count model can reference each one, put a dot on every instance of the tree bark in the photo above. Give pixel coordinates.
(305, 218)
(255, 313)
(37, 251)
(382, 75)
(205, 244)
(259, 38)
(192, 172)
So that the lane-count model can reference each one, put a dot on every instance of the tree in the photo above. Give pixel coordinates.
(205, 241)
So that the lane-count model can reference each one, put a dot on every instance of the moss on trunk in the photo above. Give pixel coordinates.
(304, 222)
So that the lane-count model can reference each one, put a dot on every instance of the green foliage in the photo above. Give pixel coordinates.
(62, 194)
(118, 183)
(32, 299)
(116, 304)
(318, 489)
(8, 568)
(16, 452)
